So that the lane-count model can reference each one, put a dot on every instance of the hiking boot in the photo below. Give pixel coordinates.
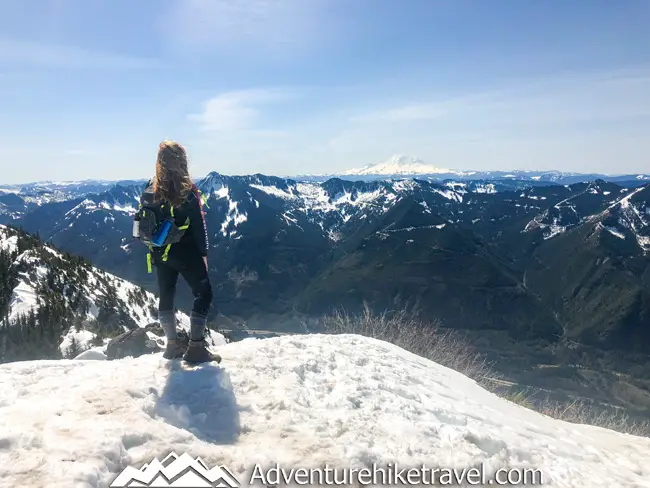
(176, 348)
(198, 352)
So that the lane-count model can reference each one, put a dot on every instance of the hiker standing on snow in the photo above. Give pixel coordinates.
(171, 222)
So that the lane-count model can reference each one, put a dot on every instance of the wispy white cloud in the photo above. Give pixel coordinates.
(264, 25)
(591, 97)
(32, 54)
(237, 110)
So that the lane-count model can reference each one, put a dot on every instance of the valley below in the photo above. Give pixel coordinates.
(590, 380)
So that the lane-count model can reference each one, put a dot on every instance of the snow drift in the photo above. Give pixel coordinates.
(300, 401)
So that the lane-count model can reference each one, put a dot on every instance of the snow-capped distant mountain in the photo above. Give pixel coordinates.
(272, 406)
(400, 165)
(76, 188)
(18, 200)
(34, 194)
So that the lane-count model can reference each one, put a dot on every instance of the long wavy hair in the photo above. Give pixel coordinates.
(172, 182)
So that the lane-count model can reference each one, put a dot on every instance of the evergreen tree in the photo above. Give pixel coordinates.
(74, 349)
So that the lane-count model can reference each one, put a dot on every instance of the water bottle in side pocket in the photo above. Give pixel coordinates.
(160, 236)
(136, 228)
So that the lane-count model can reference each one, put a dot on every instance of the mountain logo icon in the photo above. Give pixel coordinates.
(180, 471)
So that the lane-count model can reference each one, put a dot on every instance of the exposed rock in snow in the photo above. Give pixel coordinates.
(133, 343)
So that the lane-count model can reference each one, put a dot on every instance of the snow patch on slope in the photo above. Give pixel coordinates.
(614, 231)
(9, 244)
(624, 202)
(485, 188)
(553, 230)
(23, 299)
(315, 200)
(127, 209)
(233, 219)
(275, 191)
(644, 243)
(315, 197)
(450, 195)
(222, 192)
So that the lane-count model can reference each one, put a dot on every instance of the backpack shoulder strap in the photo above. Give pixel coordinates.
(202, 198)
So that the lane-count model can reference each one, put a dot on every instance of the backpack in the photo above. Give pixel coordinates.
(154, 225)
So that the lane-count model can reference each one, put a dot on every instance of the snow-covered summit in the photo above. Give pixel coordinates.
(400, 165)
(299, 401)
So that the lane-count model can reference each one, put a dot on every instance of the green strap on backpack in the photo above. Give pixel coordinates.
(204, 199)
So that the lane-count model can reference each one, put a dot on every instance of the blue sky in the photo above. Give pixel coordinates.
(89, 88)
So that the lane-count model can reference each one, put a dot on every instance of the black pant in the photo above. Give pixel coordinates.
(192, 268)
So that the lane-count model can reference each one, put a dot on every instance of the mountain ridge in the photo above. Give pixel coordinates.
(277, 244)
(48, 191)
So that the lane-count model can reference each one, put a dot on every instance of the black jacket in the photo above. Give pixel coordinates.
(195, 239)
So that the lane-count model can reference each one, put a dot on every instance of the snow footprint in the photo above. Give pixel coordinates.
(449, 419)
(488, 445)
(130, 441)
